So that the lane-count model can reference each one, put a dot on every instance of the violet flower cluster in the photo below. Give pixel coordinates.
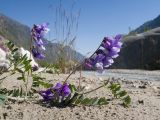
(62, 90)
(37, 33)
(103, 57)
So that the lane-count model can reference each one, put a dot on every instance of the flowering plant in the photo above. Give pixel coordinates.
(37, 34)
(22, 64)
(64, 94)
(103, 56)
(57, 91)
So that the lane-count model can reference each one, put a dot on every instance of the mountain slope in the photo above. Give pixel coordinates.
(140, 51)
(14, 31)
(19, 34)
(148, 25)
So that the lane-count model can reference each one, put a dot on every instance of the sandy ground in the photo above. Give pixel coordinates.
(142, 86)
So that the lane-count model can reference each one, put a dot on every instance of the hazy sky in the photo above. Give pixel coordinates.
(98, 18)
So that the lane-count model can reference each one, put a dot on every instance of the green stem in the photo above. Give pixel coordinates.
(80, 72)
(81, 64)
(96, 88)
(26, 82)
(72, 72)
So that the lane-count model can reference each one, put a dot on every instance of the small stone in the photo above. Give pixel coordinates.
(140, 101)
(44, 110)
(5, 115)
(77, 113)
(9, 107)
(113, 114)
(84, 108)
(143, 87)
(158, 87)
(20, 114)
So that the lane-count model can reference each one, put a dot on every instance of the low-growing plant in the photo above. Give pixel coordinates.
(22, 65)
(66, 94)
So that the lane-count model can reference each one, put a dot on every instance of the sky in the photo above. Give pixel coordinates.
(98, 18)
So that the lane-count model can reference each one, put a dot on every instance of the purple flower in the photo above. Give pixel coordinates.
(88, 63)
(65, 90)
(58, 86)
(61, 90)
(99, 67)
(103, 57)
(37, 33)
(47, 94)
(37, 54)
(40, 44)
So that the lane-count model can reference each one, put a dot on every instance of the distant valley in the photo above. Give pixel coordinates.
(19, 34)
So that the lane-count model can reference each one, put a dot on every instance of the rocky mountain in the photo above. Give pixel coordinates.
(141, 48)
(140, 51)
(20, 35)
(148, 25)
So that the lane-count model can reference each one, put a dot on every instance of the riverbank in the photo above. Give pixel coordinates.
(142, 86)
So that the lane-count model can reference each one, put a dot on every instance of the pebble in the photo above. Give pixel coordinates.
(143, 87)
(77, 113)
(141, 102)
(158, 87)
(9, 107)
(5, 115)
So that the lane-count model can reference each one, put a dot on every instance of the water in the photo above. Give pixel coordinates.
(128, 74)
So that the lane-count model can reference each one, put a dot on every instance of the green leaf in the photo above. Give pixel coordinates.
(72, 88)
(73, 99)
(121, 93)
(14, 50)
(117, 88)
(20, 78)
(85, 101)
(23, 57)
(10, 45)
(19, 70)
(28, 67)
(94, 101)
(113, 86)
(2, 99)
(90, 101)
(37, 81)
(127, 101)
(45, 84)
(79, 99)
(15, 93)
(102, 101)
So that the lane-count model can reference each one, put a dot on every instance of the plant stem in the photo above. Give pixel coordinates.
(80, 76)
(74, 70)
(26, 86)
(26, 82)
(96, 88)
